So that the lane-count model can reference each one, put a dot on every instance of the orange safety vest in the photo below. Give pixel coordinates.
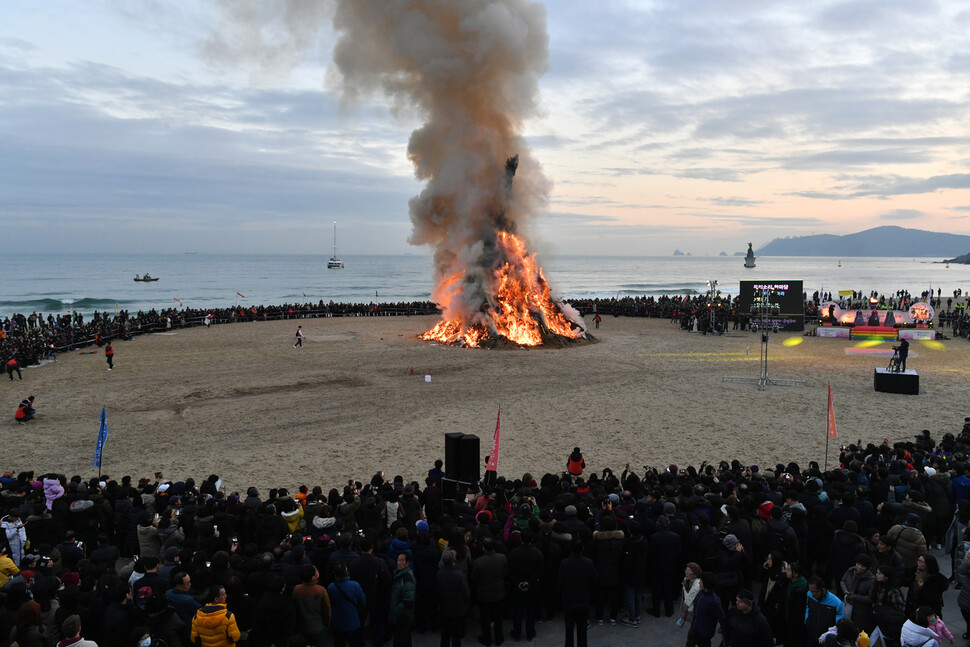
(574, 467)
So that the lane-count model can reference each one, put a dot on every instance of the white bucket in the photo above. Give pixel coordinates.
(427, 378)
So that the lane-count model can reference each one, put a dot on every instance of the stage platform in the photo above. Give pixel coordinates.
(875, 333)
(906, 382)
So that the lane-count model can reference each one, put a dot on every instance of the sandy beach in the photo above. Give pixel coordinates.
(239, 401)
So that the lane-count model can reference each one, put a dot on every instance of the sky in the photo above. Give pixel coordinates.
(694, 126)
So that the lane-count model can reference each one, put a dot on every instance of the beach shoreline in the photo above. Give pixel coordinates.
(239, 401)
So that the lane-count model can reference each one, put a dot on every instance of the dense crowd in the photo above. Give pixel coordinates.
(28, 339)
(854, 547)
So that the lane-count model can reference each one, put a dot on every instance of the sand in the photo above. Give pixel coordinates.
(238, 401)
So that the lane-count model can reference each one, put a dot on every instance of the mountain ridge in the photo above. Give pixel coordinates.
(887, 240)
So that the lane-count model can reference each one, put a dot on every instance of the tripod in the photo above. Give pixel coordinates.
(894, 362)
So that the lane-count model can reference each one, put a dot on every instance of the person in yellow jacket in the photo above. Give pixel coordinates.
(214, 625)
(292, 514)
(7, 568)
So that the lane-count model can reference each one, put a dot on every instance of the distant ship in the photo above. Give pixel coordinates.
(749, 257)
(335, 263)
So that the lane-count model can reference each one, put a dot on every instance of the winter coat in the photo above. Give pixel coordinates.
(915, 636)
(16, 538)
(822, 614)
(52, 490)
(778, 535)
(577, 579)
(149, 545)
(963, 577)
(489, 574)
(909, 542)
(795, 601)
(843, 550)
(454, 595)
(606, 551)
(930, 594)
(313, 607)
(292, 518)
(7, 570)
(747, 629)
(214, 626)
(859, 586)
(403, 590)
(346, 597)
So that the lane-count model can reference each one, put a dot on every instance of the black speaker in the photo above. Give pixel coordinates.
(471, 462)
(449, 489)
(453, 455)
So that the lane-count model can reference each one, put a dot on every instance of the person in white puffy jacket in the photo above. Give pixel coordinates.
(13, 527)
(916, 631)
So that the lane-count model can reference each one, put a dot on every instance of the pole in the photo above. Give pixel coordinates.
(825, 465)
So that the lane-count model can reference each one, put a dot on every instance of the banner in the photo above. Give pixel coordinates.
(240, 294)
(831, 417)
(492, 465)
(102, 437)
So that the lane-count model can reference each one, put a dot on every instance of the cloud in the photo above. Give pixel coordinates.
(902, 214)
(736, 202)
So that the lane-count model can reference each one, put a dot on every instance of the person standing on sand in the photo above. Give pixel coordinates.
(299, 337)
(109, 354)
(13, 365)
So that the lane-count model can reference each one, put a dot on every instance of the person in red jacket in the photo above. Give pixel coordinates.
(109, 354)
(22, 416)
(13, 365)
(575, 463)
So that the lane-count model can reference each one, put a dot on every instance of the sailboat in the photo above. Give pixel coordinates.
(335, 263)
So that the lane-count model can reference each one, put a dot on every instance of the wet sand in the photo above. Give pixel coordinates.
(239, 401)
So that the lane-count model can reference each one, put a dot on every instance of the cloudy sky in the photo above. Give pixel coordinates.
(666, 125)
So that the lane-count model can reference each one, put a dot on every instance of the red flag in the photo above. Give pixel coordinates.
(241, 295)
(178, 302)
(492, 465)
(831, 417)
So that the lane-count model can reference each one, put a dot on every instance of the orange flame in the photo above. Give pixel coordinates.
(521, 309)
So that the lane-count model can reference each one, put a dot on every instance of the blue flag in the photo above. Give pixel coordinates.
(102, 437)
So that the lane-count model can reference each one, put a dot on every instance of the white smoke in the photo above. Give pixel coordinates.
(472, 70)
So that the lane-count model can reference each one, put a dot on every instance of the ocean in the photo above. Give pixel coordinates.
(46, 283)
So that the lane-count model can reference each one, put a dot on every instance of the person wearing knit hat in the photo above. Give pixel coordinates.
(690, 587)
(746, 625)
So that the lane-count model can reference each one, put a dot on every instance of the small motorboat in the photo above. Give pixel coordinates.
(147, 278)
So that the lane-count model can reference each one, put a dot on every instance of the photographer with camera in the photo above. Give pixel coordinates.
(903, 351)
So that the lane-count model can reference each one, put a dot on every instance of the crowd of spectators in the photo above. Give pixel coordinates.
(122, 561)
(35, 337)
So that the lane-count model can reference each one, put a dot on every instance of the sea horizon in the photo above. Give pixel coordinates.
(87, 282)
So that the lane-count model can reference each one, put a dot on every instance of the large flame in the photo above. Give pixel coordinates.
(522, 309)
